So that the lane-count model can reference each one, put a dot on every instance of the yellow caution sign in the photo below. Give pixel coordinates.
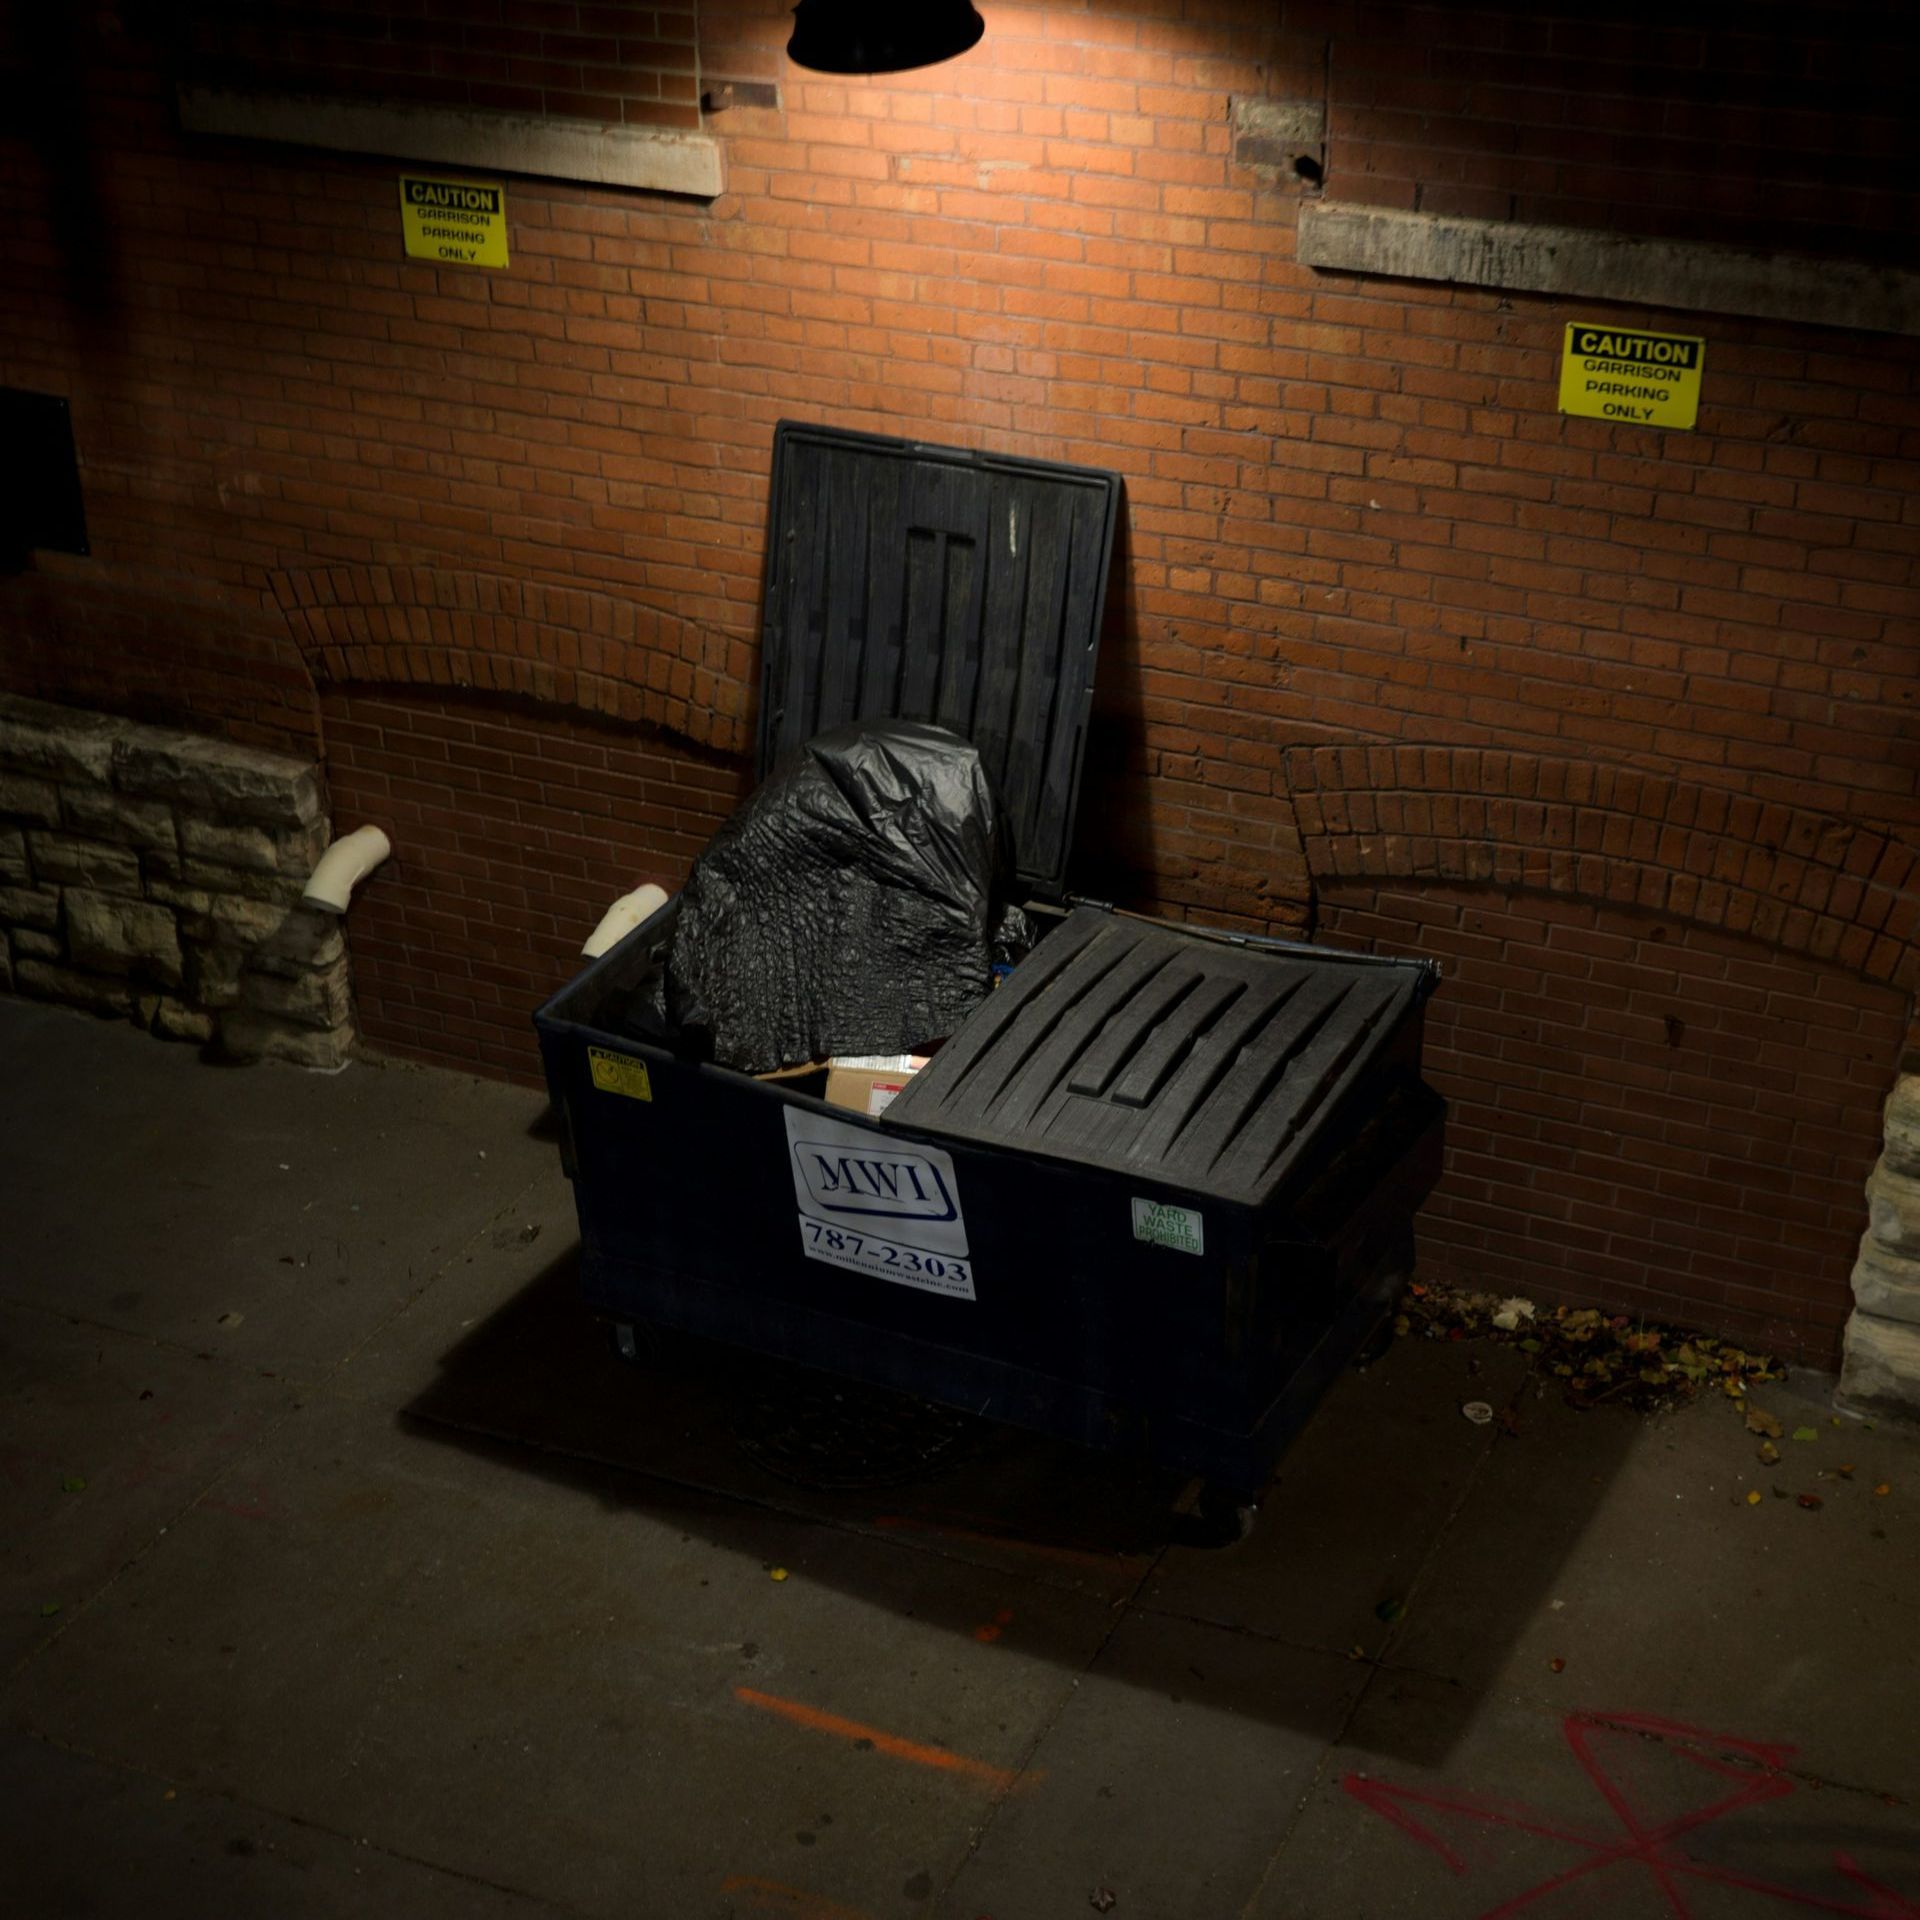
(1638, 379)
(617, 1073)
(461, 223)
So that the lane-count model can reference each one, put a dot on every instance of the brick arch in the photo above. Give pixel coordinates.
(1797, 880)
(564, 646)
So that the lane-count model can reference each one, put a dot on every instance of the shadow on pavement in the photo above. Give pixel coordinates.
(723, 1443)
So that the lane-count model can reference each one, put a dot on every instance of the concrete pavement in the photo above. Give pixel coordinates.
(345, 1569)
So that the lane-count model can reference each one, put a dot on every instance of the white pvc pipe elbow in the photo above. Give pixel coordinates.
(343, 866)
(623, 916)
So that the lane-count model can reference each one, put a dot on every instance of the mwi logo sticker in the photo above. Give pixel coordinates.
(901, 1186)
(859, 1177)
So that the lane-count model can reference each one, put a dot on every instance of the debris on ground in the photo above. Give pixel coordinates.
(1640, 1363)
(1103, 1899)
(1478, 1411)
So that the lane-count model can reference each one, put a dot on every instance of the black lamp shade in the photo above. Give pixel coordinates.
(873, 36)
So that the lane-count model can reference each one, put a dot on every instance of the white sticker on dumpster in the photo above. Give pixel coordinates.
(1164, 1226)
(880, 1205)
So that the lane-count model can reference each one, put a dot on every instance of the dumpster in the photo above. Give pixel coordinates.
(1153, 1193)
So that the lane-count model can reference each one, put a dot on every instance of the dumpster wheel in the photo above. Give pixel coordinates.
(1211, 1515)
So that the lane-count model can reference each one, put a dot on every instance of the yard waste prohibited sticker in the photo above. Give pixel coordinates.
(1162, 1225)
(1630, 376)
(880, 1205)
(462, 223)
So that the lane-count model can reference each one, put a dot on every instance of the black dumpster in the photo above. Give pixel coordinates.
(1154, 1192)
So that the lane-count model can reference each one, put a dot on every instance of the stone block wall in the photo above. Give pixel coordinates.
(1881, 1372)
(156, 876)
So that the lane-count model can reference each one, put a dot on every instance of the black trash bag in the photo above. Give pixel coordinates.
(848, 906)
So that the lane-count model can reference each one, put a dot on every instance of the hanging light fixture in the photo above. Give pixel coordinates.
(874, 36)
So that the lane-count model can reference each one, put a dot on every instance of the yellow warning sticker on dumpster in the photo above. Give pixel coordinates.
(616, 1073)
(1638, 379)
(462, 223)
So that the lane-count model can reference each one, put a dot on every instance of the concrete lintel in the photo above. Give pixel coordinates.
(657, 159)
(1681, 275)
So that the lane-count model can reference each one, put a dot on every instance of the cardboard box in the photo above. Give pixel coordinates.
(869, 1083)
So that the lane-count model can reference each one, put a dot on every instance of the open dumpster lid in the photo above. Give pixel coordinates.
(1139, 1048)
(929, 583)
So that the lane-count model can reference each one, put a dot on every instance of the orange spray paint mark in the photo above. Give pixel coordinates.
(772, 1896)
(818, 1720)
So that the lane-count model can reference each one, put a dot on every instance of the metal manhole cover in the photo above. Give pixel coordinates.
(845, 1436)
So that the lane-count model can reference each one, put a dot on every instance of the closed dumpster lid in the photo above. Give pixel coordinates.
(1139, 1048)
(928, 583)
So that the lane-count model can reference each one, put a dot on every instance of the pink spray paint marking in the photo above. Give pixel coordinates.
(1753, 1767)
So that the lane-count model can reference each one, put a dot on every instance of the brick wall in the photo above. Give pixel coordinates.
(1760, 125)
(1354, 515)
(1647, 1116)
(187, 658)
(604, 60)
(513, 830)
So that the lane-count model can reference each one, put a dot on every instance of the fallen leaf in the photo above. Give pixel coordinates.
(48, 1609)
(776, 1573)
(1529, 1345)
(1753, 1498)
(1557, 1664)
(1885, 1487)
(73, 1484)
(1846, 1471)
(1769, 1453)
(1812, 1502)
(1390, 1611)
(1758, 1422)
(1806, 1433)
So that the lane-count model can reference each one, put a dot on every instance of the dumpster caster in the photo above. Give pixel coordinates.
(1377, 1345)
(626, 1343)
(1214, 1517)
